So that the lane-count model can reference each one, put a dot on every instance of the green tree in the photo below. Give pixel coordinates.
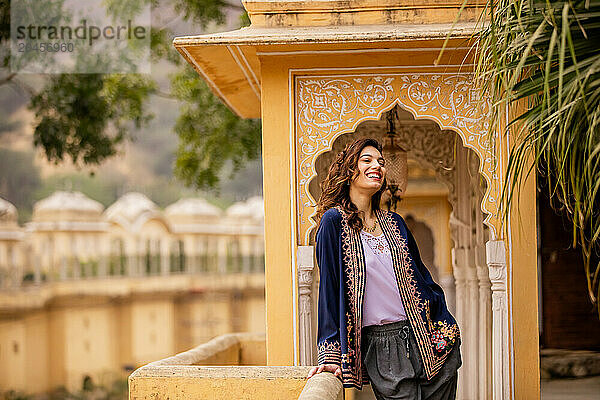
(210, 135)
(544, 56)
(84, 118)
(203, 12)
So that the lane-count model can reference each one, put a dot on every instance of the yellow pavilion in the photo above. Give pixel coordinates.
(319, 74)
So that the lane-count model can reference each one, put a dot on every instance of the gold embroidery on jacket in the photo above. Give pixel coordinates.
(434, 339)
(329, 352)
(415, 306)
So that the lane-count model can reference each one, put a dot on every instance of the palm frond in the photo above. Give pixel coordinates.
(546, 55)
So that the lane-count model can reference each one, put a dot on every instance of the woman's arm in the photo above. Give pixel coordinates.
(327, 253)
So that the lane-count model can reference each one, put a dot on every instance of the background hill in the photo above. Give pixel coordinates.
(144, 164)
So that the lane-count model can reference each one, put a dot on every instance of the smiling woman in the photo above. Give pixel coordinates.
(382, 318)
(350, 167)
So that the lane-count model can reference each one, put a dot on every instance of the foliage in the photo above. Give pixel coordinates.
(84, 116)
(203, 12)
(4, 31)
(209, 133)
(51, 10)
(543, 58)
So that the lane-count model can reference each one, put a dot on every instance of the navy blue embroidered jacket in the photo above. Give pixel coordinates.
(341, 263)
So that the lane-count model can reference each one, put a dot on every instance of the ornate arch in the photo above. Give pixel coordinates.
(429, 146)
(329, 106)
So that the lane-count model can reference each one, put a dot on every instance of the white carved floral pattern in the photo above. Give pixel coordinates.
(330, 106)
(427, 143)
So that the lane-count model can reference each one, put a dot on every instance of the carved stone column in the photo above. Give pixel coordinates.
(76, 265)
(467, 290)
(140, 269)
(165, 255)
(131, 263)
(306, 267)
(222, 254)
(471, 331)
(496, 262)
(64, 266)
(244, 253)
(103, 256)
(154, 256)
(37, 267)
(485, 326)
(458, 270)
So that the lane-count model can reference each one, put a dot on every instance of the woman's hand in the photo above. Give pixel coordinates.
(333, 368)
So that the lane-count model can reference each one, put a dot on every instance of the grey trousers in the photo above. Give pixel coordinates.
(395, 369)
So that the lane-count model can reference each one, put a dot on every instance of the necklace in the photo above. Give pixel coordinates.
(370, 230)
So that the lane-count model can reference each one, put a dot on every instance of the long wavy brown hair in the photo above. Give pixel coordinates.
(336, 186)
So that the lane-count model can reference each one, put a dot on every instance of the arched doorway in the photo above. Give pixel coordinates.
(319, 77)
(444, 190)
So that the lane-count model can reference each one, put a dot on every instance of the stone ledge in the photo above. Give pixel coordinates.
(178, 382)
(323, 386)
(228, 349)
(252, 36)
(220, 371)
(181, 376)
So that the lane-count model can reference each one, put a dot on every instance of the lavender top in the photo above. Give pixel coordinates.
(382, 303)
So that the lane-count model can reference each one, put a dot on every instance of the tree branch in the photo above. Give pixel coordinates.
(8, 78)
(164, 95)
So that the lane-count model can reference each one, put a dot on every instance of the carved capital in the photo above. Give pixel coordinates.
(305, 280)
(483, 276)
(498, 277)
(496, 261)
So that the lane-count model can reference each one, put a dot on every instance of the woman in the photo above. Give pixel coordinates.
(382, 319)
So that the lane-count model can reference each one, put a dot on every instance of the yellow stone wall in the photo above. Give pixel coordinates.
(359, 12)
(88, 334)
(228, 367)
(99, 333)
(152, 329)
(242, 387)
(434, 211)
(57, 326)
(12, 355)
(282, 176)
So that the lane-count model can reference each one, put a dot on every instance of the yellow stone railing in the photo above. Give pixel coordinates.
(323, 386)
(229, 349)
(228, 367)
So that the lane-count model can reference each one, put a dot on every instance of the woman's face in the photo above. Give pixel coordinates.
(371, 170)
